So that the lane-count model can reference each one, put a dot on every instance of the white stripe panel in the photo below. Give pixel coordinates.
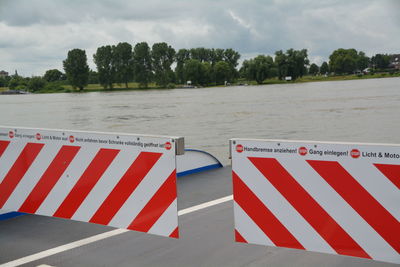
(9, 157)
(339, 209)
(67, 180)
(378, 185)
(32, 176)
(168, 221)
(144, 191)
(248, 229)
(280, 207)
(106, 184)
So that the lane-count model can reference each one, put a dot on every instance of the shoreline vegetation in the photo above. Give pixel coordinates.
(134, 86)
(141, 67)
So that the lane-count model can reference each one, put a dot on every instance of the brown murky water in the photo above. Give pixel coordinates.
(359, 111)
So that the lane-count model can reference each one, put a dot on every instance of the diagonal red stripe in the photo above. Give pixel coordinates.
(311, 211)
(86, 182)
(3, 146)
(49, 178)
(157, 205)
(124, 188)
(175, 233)
(239, 237)
(262, 216)
(18, 170)
(392, 172)
(360, 200)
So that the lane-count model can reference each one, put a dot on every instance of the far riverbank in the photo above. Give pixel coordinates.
(153, 86)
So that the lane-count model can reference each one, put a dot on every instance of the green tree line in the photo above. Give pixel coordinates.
(143, 64)
(162, 64)
(53, 80)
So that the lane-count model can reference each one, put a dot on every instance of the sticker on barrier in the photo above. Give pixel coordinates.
(120, 180)
(334, 198)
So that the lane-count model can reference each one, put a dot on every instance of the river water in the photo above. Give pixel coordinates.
(352, 111)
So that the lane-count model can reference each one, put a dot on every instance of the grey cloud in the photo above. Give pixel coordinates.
(47, 27)
(59, 12)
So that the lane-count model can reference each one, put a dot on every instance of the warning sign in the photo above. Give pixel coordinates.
(120, 180)
(328, 197)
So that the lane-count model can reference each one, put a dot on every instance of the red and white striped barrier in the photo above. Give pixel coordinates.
(120, 180)
(333, 198)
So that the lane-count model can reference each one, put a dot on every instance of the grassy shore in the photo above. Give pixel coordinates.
(98, 87)
(152, 86)
(92, 88)
(322, 78)
(117, 87)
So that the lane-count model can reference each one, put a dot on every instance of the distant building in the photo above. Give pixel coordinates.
(3, 74)
(394, 61)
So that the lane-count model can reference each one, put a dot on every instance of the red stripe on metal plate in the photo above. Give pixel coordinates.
(311, 211)
(360, 200)
(18, 170)
(3, 146)
(157, 205)
(262, 216)
(239, 237)
(124, 188)
(175, 233)
(49, 178)
(391, 171)
(86, 182)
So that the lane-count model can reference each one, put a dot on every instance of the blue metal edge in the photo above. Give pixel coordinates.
(197, 150)
(9, 215)
(201, 169)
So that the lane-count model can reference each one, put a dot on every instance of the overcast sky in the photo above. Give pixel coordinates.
(35, 35)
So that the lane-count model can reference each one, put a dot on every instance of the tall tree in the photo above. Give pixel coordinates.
(76, 68)
(208, 74)
(281, 60)
(324, 68)
(181, 57)
(162, 56)
(104, 60)
(53, 75)
(298, 61)
(193, 71)
(343, 61)
(123, 60)
(362, 60)
(232, 57)
(259, 68)
(314, 69)
(245, 69)
(216, 55)
(223, 72)
(142, 64)
(200, 53)
(380, 61)
(293, 63)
